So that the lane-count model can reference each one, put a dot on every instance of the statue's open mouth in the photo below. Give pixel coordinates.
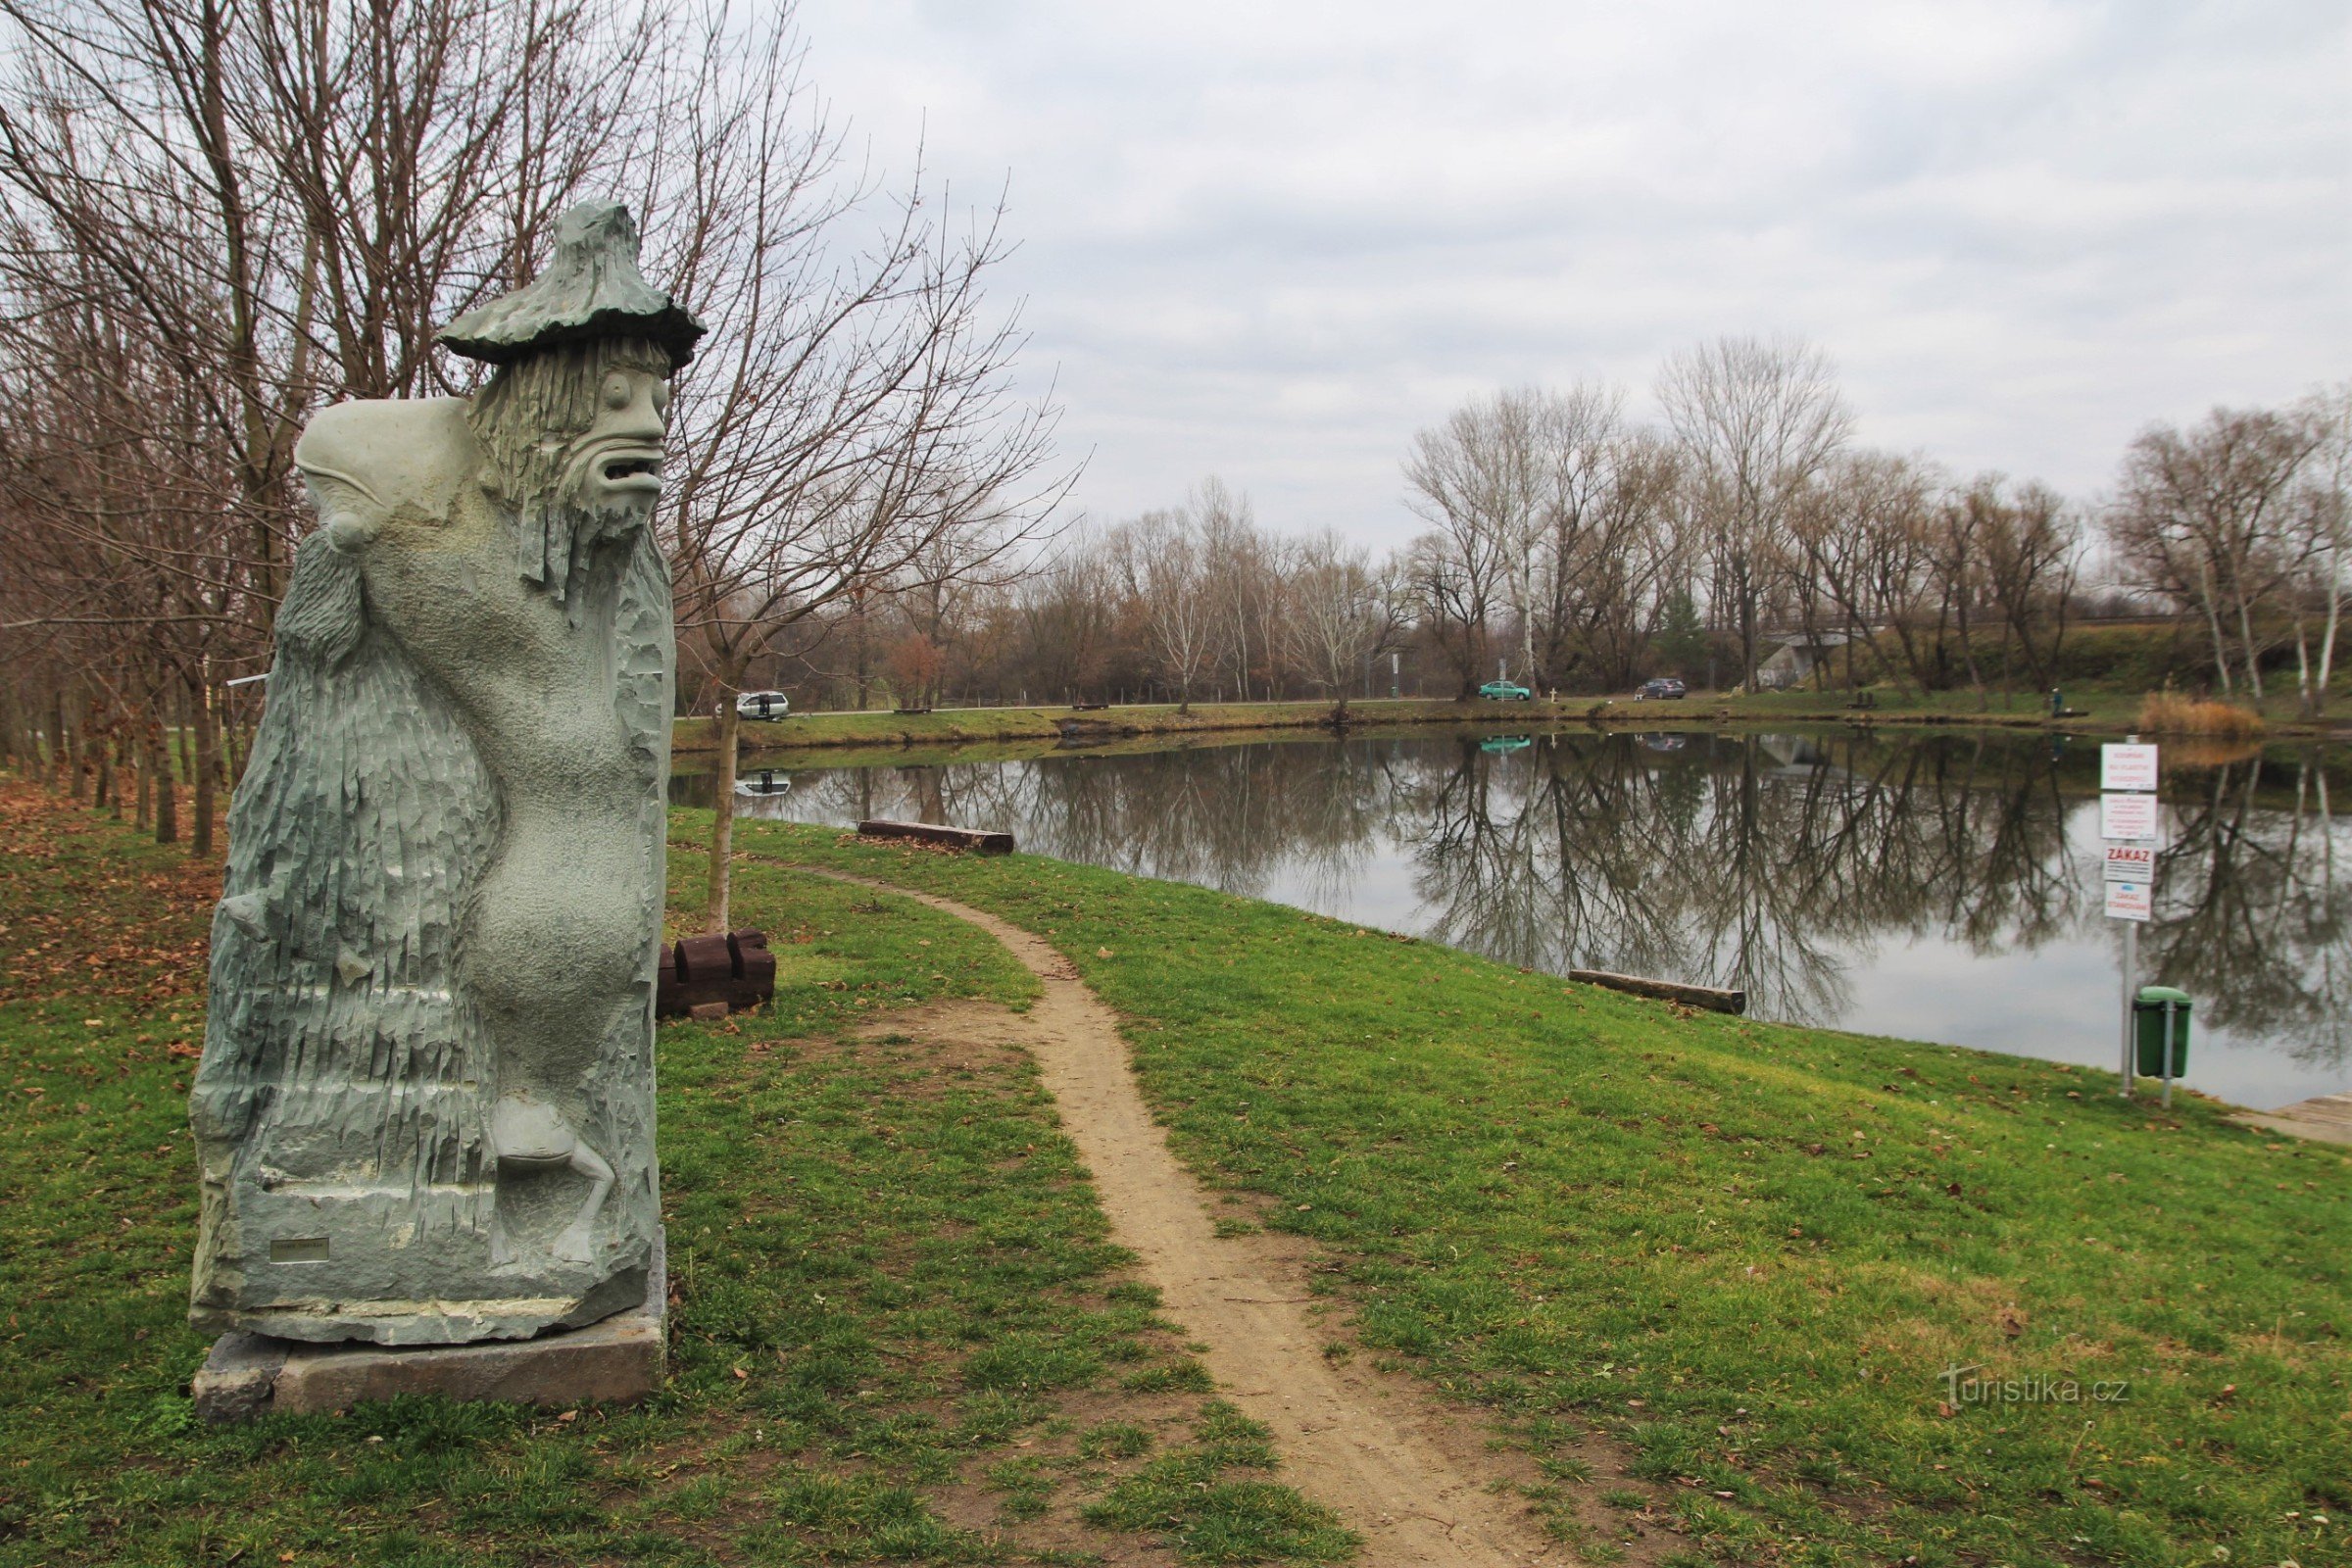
(629, 468)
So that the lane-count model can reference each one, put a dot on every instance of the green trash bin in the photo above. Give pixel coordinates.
(2149, 1012)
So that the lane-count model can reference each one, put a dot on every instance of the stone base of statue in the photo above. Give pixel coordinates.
(616, 1361)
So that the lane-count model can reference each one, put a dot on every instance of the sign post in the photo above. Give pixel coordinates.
(2128, 776)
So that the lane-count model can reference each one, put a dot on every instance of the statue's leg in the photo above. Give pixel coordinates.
(572, 1245)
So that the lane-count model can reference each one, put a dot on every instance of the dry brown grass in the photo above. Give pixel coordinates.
(2168, 713)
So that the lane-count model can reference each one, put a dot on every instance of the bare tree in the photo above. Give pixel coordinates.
(1165, 570)
(852, 427)
(1613, 550)
(1237, 572)
(219, 216)
(2207, 516)
(1759, 418)
(1864, 534)
(1480, 477)
(1340, 614)
(2325, 542)
(2031, 550)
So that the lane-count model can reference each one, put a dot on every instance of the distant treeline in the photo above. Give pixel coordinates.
(1747, 542)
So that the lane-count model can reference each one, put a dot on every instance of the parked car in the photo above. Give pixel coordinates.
(1663, 688)
(761, 705)
(1504, 691)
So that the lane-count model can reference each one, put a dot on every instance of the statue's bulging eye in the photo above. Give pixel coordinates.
(662, 398)
(617, 392)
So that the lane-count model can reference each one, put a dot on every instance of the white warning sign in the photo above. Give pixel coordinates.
(2126, 816)
(2127, 766)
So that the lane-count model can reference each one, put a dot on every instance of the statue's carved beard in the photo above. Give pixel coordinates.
(532, 418)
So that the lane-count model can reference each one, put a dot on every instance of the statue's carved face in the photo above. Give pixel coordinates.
(573, 435)
(615, 465)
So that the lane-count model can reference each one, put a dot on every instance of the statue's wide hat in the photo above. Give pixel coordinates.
(592, 289)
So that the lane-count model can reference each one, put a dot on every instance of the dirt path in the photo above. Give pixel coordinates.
(1402, 1472)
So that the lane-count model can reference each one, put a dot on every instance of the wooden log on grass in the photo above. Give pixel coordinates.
(980, 840)
(1715, 999)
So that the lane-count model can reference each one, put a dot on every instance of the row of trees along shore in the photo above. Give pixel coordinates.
(1580, 551)
(219, 220)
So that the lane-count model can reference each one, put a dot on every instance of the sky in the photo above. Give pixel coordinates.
(1271, 241)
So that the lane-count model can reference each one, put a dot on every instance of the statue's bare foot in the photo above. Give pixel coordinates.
(572, 1247)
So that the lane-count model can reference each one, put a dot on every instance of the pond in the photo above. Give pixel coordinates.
(1939, 886)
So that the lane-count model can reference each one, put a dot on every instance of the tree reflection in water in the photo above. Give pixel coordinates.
(2250, 910)
(1776, 864)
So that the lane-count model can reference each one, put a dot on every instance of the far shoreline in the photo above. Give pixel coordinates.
(2091, 713)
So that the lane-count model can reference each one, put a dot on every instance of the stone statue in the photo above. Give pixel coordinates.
(425, 1108)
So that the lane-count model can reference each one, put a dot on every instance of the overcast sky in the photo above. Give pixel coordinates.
(1270, 241)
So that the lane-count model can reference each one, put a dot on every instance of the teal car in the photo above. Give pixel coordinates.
(1504, 691)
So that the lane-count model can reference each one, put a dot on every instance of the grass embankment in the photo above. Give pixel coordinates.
(1749, 1250)
(1746, 1250)
(897, 1331)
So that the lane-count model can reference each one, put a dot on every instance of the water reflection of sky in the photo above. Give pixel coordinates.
(1936, 887)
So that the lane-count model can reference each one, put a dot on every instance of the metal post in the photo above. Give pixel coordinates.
(2169, 1007)
(2131, 967)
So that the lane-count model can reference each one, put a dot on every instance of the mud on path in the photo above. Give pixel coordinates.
(1406, 1474)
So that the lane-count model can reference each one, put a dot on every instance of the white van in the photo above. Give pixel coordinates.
(761, 705)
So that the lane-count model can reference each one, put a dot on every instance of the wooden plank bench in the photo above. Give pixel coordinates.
(1715, 999)
(980, 840)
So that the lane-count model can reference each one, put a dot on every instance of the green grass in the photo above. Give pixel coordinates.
(1747, 1252)
(902, 1336)
(892, 1281)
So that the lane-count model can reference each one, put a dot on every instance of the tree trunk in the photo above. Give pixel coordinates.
(138, 749)
(2335, 595)
(75, 788)
(103, 795)
(1968, 652)
(865, 659)
(57, 741)
(2213, 623)
(167, 798)
(722, 825)
(2245, 634)
(184, 735)
(201, 720)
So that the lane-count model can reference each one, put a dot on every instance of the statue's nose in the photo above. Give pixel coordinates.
(641, 420)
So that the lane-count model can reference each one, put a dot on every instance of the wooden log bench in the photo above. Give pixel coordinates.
(981, 841)
(711, 976)
(1715, 999)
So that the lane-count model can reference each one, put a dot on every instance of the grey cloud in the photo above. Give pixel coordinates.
(1271, 242)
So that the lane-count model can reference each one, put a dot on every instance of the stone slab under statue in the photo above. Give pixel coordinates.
(424, 1113)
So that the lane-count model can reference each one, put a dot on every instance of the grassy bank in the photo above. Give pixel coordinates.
(2099, 712)
(1746, 1251)
(898, 1333)
(1749, 1250)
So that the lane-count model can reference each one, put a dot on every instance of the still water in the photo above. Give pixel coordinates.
(1937, 887)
